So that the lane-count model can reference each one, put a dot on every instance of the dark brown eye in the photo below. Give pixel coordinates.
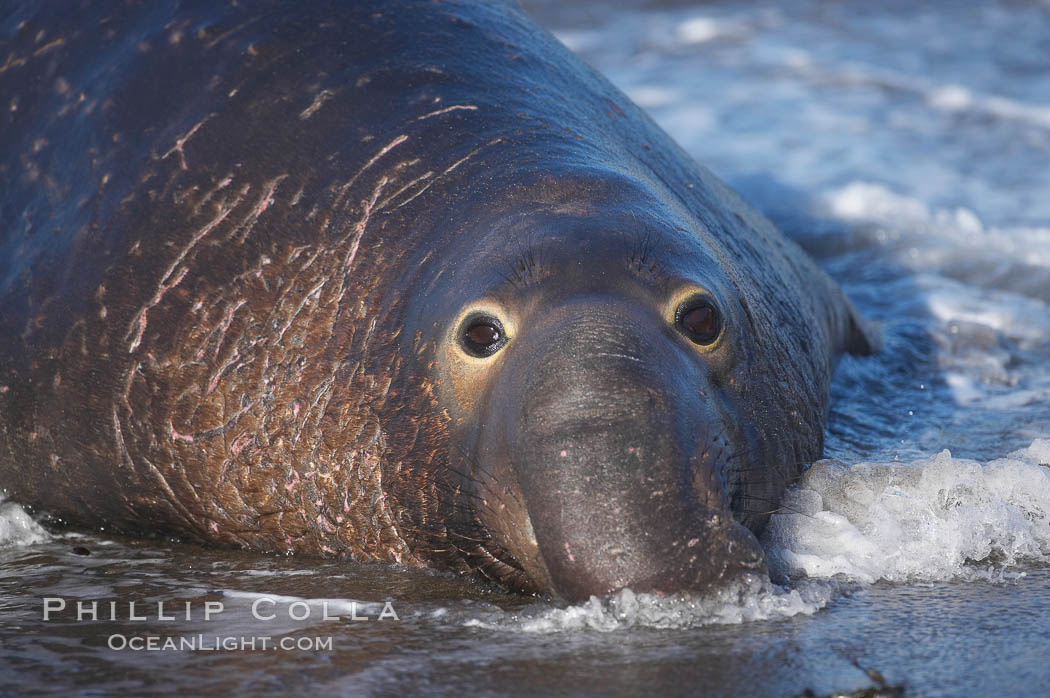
(699, 321)
(483, 336)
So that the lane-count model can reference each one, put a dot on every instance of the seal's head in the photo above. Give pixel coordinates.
(624, 405)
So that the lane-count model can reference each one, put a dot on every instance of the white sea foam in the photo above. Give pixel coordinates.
(944, 97)
(958, 99)
(752, 599)
(957, 233)
(934, 519)
(701, 29)
(18, 528)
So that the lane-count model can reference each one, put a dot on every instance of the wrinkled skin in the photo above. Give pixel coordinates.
(241, 247)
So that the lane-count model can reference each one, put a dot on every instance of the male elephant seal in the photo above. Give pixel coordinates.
(396, 280)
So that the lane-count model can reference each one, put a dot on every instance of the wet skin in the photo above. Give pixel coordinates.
(436, 295)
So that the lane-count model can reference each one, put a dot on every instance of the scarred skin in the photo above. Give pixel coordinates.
(238, 246)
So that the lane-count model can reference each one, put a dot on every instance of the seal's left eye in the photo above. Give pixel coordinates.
(484, 336)
(699, 321)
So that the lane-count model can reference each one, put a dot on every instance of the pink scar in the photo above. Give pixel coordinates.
(176, 435)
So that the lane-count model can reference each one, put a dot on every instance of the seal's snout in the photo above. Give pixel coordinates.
(616, 458)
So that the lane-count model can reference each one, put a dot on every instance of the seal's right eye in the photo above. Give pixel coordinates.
(483, 336)
(698, 320)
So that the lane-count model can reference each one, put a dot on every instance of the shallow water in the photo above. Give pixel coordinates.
(908, 151)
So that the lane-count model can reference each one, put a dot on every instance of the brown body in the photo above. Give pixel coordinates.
(233, 240)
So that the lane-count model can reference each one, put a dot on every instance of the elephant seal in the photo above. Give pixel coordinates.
(399, 280)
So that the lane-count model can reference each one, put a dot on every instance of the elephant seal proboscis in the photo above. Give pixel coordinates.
(397, 280)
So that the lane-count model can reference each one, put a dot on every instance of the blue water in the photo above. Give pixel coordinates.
(907, 149)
